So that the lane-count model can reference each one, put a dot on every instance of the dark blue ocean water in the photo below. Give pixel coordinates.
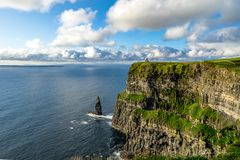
(43, 111)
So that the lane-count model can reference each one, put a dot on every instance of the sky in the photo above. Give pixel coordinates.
(119, 30)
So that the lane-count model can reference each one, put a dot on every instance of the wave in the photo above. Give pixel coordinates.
(73, 121)
(83, 122)
(109, 116)
(116, 155)
(78, 122)
(109, 123)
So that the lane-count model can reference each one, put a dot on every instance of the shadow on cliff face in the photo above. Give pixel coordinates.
(119, 139)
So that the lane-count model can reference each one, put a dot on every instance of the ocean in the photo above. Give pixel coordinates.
(44, 111)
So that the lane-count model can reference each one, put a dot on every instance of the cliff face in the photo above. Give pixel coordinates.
(180, 109)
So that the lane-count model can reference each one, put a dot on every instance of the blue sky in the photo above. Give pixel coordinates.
(18, 26)
(119, 29)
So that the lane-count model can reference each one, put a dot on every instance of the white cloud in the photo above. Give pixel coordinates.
(155, 14)
(221, 43)
(226, 49)
(177, 32)
(229, 11)
(76, 30)
(29, 5)
(10, 53)
(197, 31)
(32, 54)
(34, 44)
(91, 52)
(70, 18)
(201, 43)
(155, 52)
(229, 34)
(82, 35)
(125, 15)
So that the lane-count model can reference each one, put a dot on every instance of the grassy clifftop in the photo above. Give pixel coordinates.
(232, 64)
(181, 68)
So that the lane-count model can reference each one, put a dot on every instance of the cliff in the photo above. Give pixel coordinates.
(181, 109)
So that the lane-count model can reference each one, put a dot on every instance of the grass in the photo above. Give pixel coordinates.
(201, 113)
(172, 120)
(208, 115)
(160, 69)
(179, 69)
(222, 137)
(202, 122)
(163, 117)
(232, 63)
(132, 97)
(233, 153)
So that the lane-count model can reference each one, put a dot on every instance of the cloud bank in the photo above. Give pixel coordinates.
(90, 53)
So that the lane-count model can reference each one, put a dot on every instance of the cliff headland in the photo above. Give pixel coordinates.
(181, 109)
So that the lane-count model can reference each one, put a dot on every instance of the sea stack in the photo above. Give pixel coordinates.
(98, 107)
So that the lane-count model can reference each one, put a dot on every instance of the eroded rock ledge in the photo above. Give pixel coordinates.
(181, 109)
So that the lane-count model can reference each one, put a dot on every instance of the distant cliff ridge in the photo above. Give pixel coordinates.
(181, 109)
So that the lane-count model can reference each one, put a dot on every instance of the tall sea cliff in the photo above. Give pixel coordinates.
(185, 109)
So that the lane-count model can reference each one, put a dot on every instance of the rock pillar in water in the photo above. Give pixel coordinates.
(98, 106)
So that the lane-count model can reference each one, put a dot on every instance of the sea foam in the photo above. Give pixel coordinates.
(109, 116)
